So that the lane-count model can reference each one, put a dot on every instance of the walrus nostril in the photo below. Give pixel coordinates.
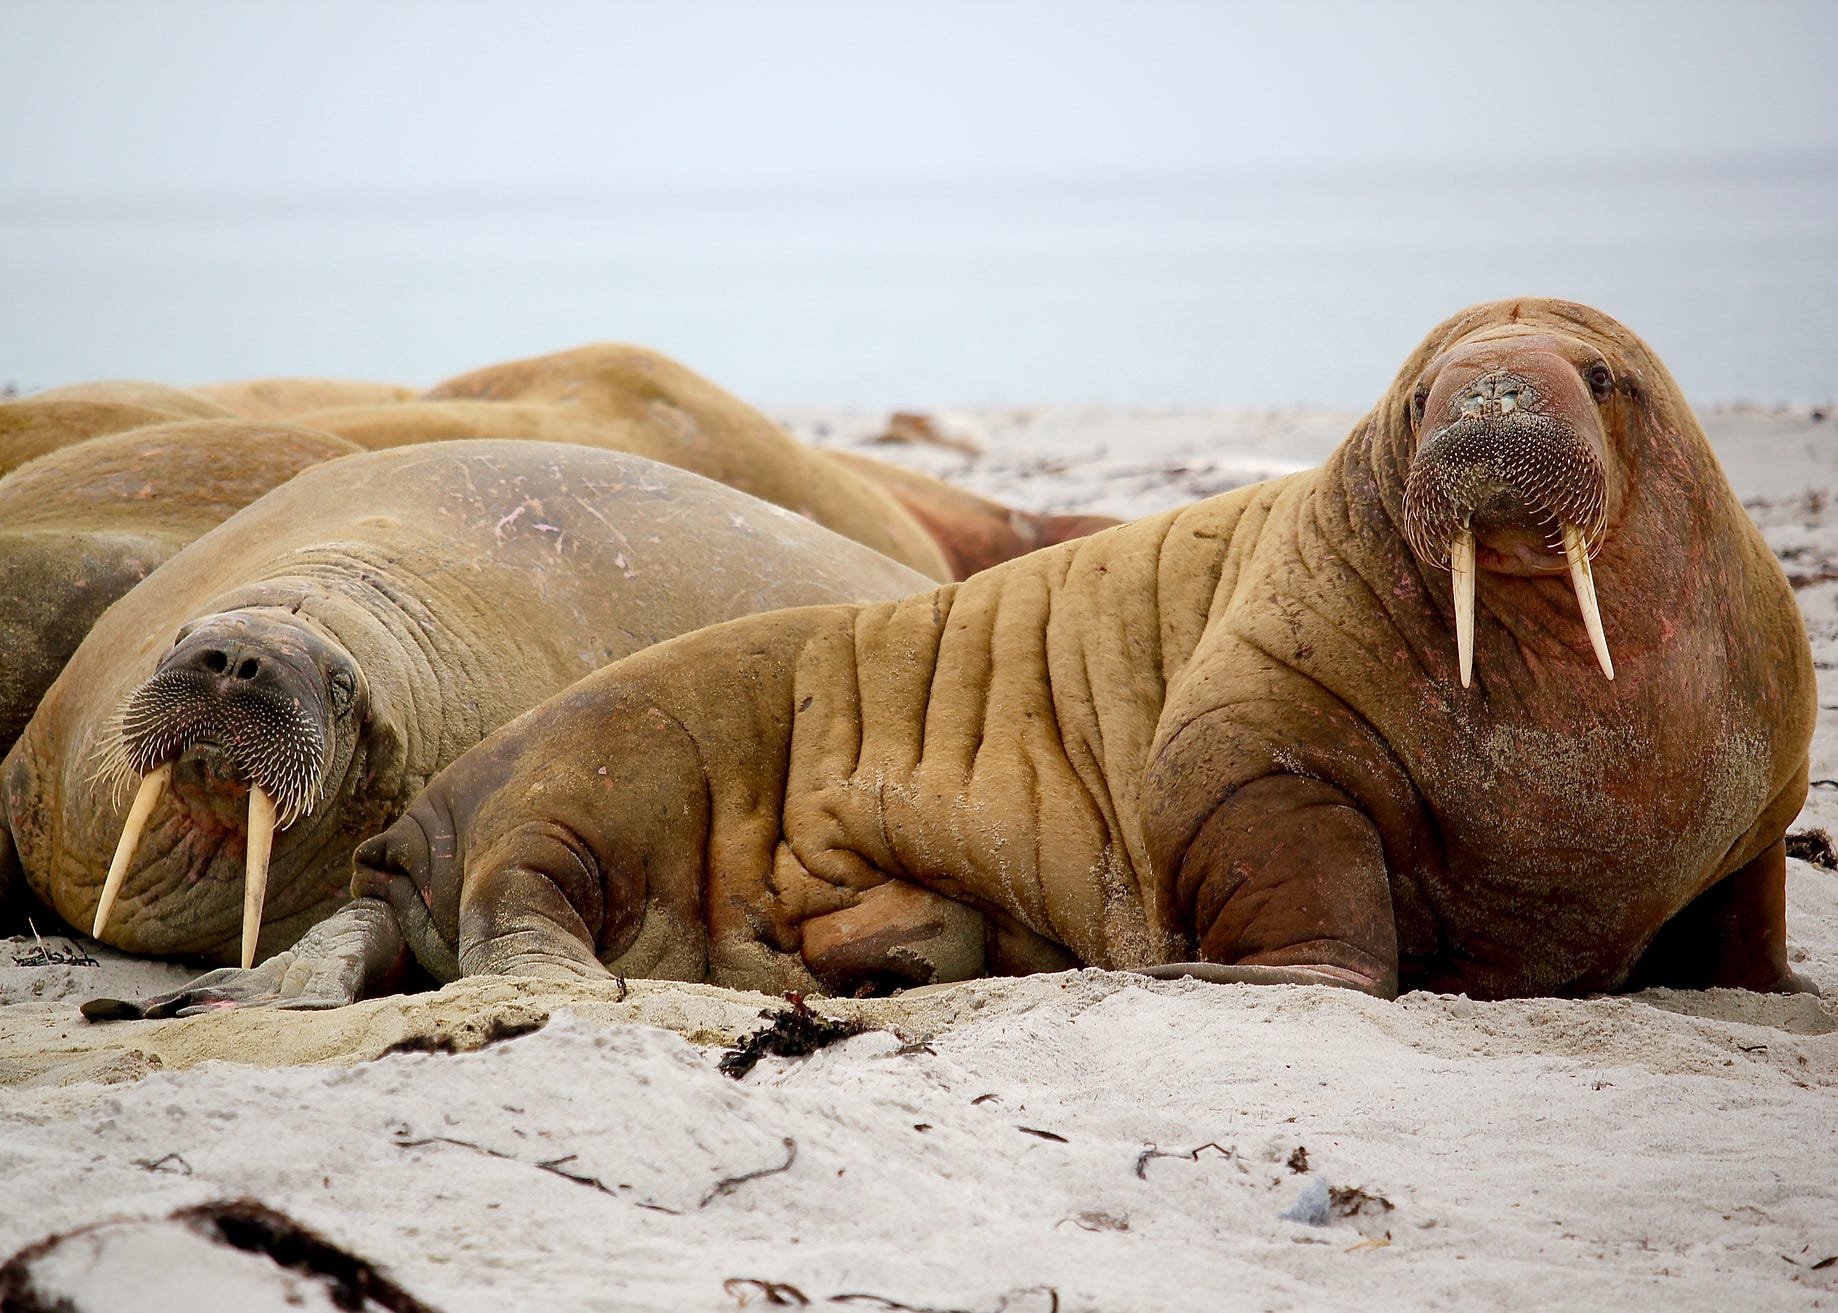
(248, 669)
(214, 661)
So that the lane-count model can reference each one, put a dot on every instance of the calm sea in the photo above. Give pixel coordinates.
(1255, 291)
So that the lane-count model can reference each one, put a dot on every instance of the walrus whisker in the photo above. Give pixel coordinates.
(151, 786)
(113, 768)
(255, 868)
(1461, 566)
(1582, 578)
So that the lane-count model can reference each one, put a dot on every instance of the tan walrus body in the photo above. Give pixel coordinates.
(1239, 732)
(43, 422)
(626, 398)
(289, 398)
(609, 395)
(973, 532)
(340, 641)
(631, 399)
(82, 525)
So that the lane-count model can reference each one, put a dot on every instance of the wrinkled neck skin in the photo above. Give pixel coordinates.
(1573, 808)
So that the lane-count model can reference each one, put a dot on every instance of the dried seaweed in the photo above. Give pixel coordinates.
(554, 1166)
(495, 1030)
(250, 1225)
(40, 956)
(794, 1033)
(1814, 846)
(728, 1184)
(1044, 1135)
(776, 1292)
(1192, 1155)
(349, 1282)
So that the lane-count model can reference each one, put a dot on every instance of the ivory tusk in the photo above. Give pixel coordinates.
(151, 786)
(1582, 578)
(1461, 565)
(255, 869)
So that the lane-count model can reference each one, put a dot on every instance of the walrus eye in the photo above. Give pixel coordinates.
(344, 686)
(1418, 400)
(1601, 382)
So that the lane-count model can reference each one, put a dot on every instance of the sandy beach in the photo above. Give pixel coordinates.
(1087, 1141)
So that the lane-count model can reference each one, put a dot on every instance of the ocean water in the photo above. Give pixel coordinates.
(1250, 291)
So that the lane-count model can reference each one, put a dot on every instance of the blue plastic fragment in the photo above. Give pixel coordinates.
(1310, 1207)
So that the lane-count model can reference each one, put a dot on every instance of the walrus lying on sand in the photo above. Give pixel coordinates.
(289, 398)
(1366, 725)
(622, 398)
(339, 642)
(973, 532)
(82, 525)
(611, 394)
(44, 422)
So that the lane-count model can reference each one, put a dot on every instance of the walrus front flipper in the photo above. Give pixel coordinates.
(1731, 936)
(1288, 875)
(1216, 973)
(356, 952)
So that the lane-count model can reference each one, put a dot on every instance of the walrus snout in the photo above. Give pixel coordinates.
(1510, 474)
(263, 691)
(247, 699)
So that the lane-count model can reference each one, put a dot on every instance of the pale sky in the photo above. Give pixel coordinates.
(207, 98)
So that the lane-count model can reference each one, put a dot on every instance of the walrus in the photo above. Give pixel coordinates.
(341, 640)
(634, 399)
(42, 422)
(288, 398)
(1507, 698)
(972, 531)
(82, 525)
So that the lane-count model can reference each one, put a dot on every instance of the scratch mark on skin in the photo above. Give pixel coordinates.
(508, 521)
(590, 509)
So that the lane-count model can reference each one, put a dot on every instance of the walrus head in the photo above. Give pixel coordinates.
(1513, 470)
(250, 714)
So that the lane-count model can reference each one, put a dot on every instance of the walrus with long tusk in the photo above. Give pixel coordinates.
(340, 641)
(82, 525)
(1271, 737)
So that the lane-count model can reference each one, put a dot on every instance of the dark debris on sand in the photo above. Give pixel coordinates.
(795, 1032)
(346, 1280)
(471, 1036)
(1814, 846)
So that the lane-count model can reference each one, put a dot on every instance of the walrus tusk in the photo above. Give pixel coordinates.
(255, 868)
(1576, 552)
(145, 797)
(1461, 565)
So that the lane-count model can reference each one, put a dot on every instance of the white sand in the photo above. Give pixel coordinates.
(1664, 1150)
